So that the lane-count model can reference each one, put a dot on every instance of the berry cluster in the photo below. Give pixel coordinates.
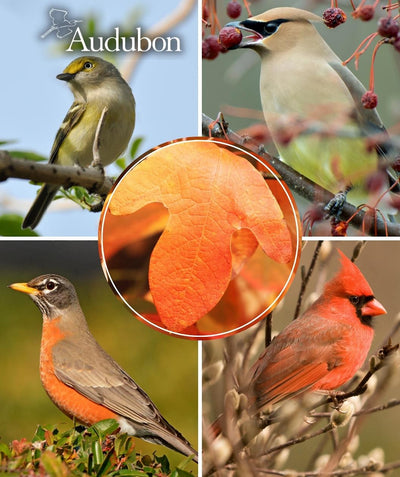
(228, 37)
(388, 31)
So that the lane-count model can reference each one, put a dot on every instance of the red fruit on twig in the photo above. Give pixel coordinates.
(334, 17)
(388, 27)
(210, 47)
(369, 100)
(366, 13)
(229, 37)
(233, 9)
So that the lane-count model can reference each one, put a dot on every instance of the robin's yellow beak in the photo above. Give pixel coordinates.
(24, 288)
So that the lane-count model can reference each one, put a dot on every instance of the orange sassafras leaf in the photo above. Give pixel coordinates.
(210, 193)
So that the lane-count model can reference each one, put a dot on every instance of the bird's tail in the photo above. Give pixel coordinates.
(39, 206)
(161, 433)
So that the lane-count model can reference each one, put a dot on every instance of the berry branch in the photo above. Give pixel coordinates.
(367, 222)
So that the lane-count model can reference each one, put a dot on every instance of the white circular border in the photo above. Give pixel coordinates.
(149, 322)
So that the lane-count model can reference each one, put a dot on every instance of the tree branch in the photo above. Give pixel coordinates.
(303, 186)
(91, 177)
(164, 25)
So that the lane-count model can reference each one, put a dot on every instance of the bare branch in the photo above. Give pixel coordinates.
(306, 279)
(91, 177)
(170, 21)
(306, 188)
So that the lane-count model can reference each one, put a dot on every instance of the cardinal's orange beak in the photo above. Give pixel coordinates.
(373, 308)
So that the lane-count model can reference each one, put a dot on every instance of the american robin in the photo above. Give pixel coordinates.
(82, 379)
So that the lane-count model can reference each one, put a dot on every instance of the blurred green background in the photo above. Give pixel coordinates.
(165, 367)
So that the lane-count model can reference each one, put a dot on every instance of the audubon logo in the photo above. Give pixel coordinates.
(64, 27)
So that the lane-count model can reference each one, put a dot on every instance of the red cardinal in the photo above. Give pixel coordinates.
(323, 348)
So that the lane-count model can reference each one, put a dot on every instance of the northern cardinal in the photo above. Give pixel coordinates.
(322, 349)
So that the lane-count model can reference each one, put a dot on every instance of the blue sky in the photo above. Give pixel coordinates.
(34, 102)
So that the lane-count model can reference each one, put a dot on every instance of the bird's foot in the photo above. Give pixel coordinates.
(261, 149)
(96, 164)
(334, 207)
(97, 206)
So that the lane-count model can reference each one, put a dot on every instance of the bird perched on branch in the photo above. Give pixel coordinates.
(82, 379)
(312, 105)
(323, 348)
(98, 88)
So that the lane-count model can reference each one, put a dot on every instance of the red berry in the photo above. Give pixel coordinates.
(334, 17)
(369, 100)
(366, 13)
(205, 49)
(388, 27)
(396, 42)
(233, 9)
(230, 36)
(210, 47)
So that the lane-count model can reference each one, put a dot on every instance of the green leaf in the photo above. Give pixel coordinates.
(121, 163)
(4, 449)
(135, 146)
(97, 453)
(11, 226)
(180, 473)
(105, 427)
(163, 460)
(124, 445)
(106, 464)
(131, 473)
(5, 142)
(31, 156)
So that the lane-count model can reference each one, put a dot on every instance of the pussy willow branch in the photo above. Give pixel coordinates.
(300, 184)
(306, 279)
(91, 177)
(368, 469)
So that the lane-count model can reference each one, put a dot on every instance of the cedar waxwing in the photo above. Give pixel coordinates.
(305, 85)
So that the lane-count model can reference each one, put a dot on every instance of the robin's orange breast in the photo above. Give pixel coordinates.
(72, 403)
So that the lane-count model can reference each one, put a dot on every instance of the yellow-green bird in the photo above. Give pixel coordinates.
(96, 84)
(304, 86)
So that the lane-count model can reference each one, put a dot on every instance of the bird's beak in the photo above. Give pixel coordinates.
(249, 40)
(65, 76)
(24, 288)
(373, 308)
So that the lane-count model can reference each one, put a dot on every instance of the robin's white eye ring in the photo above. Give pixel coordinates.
(50, 285)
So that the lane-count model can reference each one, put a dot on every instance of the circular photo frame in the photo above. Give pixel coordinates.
(200, 238)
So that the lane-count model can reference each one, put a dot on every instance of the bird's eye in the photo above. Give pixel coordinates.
(354, 300)
(271, 28)
(88, 65)
(50, 285)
